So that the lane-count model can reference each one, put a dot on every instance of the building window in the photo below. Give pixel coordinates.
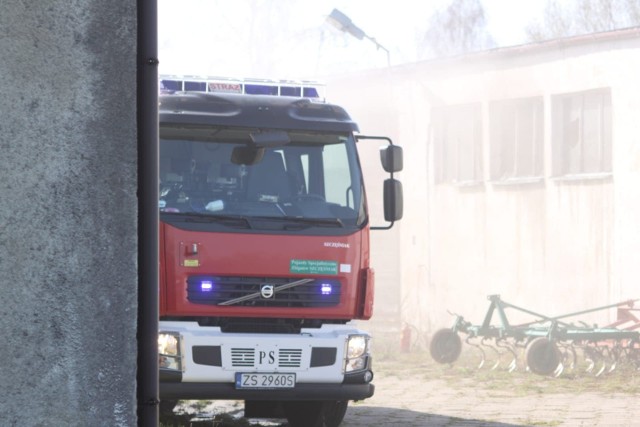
(457, 142)
(516, 138)
(582, 133)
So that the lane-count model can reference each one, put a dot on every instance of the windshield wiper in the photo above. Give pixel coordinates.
(322, 222)
(204, 217)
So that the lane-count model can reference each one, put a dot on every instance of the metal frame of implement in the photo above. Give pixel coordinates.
(551, 344)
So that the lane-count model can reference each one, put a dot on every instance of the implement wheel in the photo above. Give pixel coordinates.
(542, 356)
(445, 346)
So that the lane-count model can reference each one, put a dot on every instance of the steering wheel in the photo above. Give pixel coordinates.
(311, 197)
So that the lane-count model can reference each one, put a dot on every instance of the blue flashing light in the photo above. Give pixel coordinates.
(195, 86)
(171, 85)
(290, 91)
(310, 92)
(206, 286)
(257, 89)
(326, 289)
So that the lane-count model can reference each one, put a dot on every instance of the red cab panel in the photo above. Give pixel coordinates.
(263, 275)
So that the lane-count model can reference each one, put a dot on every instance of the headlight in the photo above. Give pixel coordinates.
(357, 354)
(356, 346)
(167, 344)
(169, 351)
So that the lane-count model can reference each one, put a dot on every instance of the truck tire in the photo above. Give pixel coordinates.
(315, 414)
(334, 412)
(542, 356)
(445, 346)
(304, 414)
(166, 407)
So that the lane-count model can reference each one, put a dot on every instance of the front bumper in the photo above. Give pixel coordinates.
(227, 391)
(317, 357)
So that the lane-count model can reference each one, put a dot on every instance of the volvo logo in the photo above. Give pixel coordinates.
(267, 291)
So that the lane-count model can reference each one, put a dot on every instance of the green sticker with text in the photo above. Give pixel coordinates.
(308, 266)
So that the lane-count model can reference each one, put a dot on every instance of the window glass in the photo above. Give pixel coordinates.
(219, 172)
(582, 132)
(516, 138)
(337, 177)
(457, 137)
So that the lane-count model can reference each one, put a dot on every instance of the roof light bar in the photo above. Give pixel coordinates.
(298, 89)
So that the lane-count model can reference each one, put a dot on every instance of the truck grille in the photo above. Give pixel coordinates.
(289, 358)
(254, 291)
(246, 357)
(243, 357)
(211, 355)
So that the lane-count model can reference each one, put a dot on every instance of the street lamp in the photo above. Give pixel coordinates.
(343, 23)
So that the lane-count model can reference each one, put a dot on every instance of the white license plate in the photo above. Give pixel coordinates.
(255, 380)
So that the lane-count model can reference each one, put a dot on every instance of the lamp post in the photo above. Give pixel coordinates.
(343, 23)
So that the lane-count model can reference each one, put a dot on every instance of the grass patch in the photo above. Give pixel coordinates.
(624, 379)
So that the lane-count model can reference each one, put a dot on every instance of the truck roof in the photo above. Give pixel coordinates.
(254, 111)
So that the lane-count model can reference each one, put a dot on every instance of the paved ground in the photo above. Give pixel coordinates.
(434, 403)
(437, 395)
(413, 391)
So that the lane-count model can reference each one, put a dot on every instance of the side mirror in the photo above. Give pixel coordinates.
(391, 158)
(393, 200)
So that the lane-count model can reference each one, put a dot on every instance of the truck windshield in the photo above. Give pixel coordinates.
(221, 172)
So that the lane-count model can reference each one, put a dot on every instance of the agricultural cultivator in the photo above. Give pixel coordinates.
(550, 345)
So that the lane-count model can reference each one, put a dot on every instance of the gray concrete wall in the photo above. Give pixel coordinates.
(68, 212)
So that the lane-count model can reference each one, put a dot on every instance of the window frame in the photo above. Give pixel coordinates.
(516, 139)
(574, 138)
(458, 142)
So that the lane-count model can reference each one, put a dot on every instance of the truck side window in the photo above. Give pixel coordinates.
(337, 179)
(304, 159)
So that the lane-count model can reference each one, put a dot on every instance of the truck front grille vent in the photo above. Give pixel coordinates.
(289, 358)
(262, 292)
(245, 358)
(265, 327)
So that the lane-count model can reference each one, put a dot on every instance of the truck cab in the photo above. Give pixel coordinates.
(264, 254)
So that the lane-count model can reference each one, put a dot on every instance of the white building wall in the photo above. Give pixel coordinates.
(555, 245)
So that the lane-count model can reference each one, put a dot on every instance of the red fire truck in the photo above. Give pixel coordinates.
(264, 249)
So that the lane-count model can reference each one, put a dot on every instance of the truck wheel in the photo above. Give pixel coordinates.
(542, 356)
(334, 412)
(166, 407)
(304, 414)
(445, 346)
(315, 414)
